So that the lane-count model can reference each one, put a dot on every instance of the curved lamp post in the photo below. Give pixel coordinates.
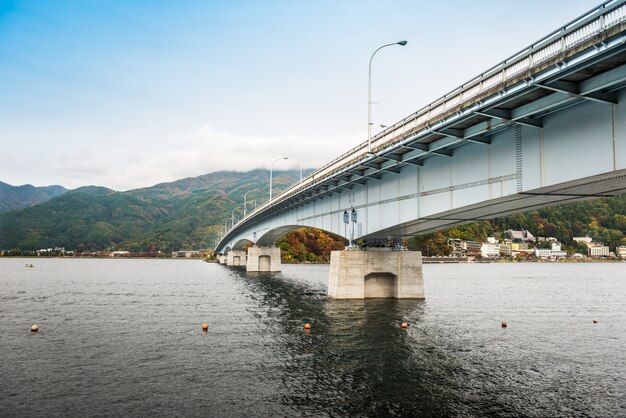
(271, 170)
(369, 95)
(245, 206)
(232, 215)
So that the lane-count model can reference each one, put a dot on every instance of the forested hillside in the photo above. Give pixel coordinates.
(185, 214)
(602, 219)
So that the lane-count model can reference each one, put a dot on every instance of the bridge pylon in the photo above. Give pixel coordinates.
(263, 259)
(236, 258)
(376, 273)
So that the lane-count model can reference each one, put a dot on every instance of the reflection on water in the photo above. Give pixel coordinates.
(124, 337)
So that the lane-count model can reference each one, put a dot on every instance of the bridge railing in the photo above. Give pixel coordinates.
(586, 26)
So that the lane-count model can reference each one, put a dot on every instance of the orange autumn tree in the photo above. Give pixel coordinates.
(309, 245)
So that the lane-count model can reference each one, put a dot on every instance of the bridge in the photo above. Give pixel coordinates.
(544, 127)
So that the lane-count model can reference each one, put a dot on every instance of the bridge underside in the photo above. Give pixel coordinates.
(603, 185)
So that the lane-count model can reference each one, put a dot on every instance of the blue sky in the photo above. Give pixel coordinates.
(127, 94)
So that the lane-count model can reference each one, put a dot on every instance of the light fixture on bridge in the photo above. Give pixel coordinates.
(353, 221)
(369, 95)
(271, 170)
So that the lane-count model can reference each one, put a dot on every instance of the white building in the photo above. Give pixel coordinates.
(585, 240)
(598, 251)
(553, 252)
(490, 250)
(620, 251)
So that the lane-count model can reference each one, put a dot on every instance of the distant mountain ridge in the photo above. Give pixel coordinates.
(27, 195)
(183, 214)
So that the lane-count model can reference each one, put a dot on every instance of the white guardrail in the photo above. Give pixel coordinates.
(601, 18)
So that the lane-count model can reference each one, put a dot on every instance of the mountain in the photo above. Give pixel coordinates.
(17, 197)
(184, 214)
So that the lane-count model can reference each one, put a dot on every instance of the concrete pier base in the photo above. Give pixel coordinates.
(263, 259)
(376, 273)
(222, 259)
(236, 259)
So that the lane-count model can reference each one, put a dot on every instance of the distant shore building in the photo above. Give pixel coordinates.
(620, 252)
(490, 250)
(584, 240)
(462, 248)
(186, 254)
(523, 235)
(598, 251)
(554, 252)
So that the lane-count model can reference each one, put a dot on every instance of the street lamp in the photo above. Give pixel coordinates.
(369, 96)
(271, 170)
(245, 206)
(232, 215)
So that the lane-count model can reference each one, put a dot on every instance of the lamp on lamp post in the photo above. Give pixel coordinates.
(271, 171)
(369, 95)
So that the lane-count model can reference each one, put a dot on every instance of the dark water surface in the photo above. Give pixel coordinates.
(123, 337)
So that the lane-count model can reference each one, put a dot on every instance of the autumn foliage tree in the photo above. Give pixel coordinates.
(309, 245)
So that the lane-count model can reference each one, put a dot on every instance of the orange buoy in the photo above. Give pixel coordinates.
(504, 324)
(34, 328)
(307, 326)
(205, 327)
(404, 325)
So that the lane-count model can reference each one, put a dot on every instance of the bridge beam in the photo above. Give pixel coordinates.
(263, 259)
(376, 273)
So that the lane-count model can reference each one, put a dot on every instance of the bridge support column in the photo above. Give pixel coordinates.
(263, 259)
(376, 273)
(236, 258)
(222, 259)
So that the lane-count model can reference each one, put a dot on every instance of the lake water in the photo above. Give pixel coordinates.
(124, 337)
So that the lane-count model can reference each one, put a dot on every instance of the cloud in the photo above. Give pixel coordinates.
(141, 158)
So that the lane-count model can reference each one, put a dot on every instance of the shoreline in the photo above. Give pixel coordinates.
(425, 260)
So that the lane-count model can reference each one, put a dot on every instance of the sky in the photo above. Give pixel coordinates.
(130, 93)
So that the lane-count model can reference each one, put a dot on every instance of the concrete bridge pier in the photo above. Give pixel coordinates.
(376, 273)
(236, 258)
(222, 259)
(263, 259)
